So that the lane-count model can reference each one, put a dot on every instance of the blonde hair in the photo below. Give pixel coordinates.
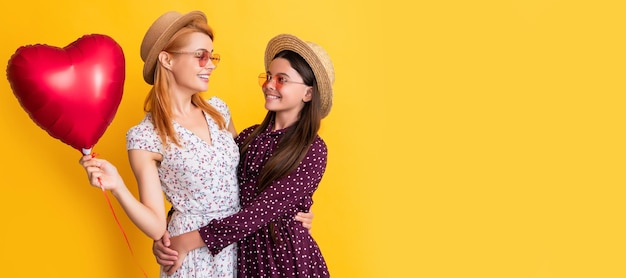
(158, 102)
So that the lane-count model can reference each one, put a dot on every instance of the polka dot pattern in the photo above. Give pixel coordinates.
(295, 253)
(199, 180)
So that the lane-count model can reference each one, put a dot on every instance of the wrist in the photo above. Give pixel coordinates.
(120, 191)
(192, 240)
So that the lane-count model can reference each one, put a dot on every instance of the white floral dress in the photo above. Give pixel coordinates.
(200, 182)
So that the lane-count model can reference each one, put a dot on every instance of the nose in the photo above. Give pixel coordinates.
(271, 84)
(210, 65)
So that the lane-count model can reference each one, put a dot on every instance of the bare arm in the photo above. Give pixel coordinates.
(148, 215)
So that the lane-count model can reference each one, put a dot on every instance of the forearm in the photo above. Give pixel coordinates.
(188, 241)
(219, 233)
(150, 221)
(284, 197)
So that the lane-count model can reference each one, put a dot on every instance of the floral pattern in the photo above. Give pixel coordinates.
(199, 180)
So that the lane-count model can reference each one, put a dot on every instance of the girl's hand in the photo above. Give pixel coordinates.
(165, 256)
(176, 244)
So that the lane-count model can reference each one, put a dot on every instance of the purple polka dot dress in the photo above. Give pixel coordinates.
(286, 249)
(199, 180)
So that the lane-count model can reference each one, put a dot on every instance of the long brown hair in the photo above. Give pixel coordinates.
(158, 101)
(295, 144)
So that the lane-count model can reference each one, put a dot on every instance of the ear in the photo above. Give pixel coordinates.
(308, 95)
(165, 60)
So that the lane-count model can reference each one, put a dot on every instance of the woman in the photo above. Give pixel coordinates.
(282, 162)
(183, 147)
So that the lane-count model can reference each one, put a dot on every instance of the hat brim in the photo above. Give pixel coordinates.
(320, 68)
(151, 59)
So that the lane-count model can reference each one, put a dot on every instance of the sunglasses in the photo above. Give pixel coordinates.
(202, 55)
(265, 78)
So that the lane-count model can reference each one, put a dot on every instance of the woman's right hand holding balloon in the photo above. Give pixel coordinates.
(101, 173)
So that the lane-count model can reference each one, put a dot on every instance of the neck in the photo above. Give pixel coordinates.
(282, 121)
(181, 105)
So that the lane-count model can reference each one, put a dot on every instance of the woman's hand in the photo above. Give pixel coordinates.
(306, 218)
(101, 173)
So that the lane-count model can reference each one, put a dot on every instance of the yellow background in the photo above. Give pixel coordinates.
(467, 138)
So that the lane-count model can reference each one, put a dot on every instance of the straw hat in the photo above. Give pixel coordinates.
(159, 34)
(315, 56)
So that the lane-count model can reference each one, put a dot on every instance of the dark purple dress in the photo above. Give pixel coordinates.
(293, 252)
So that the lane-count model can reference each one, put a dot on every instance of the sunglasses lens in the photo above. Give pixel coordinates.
(203, 58)
(262, 79)
(215, 58)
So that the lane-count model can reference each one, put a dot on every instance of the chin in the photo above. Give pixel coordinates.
(202, 88)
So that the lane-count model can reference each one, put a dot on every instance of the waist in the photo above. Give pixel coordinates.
(182, 222)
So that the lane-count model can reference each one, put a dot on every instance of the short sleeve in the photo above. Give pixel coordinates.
(143, 137)
(221, 107)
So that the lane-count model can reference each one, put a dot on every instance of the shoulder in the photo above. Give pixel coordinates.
(221, 107)
(245, 133)
(319, 146)
(316, 157)
(142, 128)
(143, 136)
(218, 103)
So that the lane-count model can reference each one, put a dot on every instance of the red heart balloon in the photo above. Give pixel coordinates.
(73, 92)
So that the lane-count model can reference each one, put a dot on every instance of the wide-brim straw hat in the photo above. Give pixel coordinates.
(315, 56)
(159, 34)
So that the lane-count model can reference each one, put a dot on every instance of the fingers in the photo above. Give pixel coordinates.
(174, 268)
(84, 158)
(91, 165)
(307, 226)
(96, 169)
(88, 161)
(95, 177)
(166, 263)
(306, 215)
(177, 264)
(167, 268)
(306, 218)
(166, 239)
(164, 255)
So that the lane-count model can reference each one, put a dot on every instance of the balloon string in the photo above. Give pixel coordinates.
(119, 225)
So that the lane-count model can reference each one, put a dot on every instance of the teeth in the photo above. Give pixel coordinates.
(273, 97)
(203, 75)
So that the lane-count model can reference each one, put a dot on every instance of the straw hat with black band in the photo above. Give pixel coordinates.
(159, 34)
(315, 56)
